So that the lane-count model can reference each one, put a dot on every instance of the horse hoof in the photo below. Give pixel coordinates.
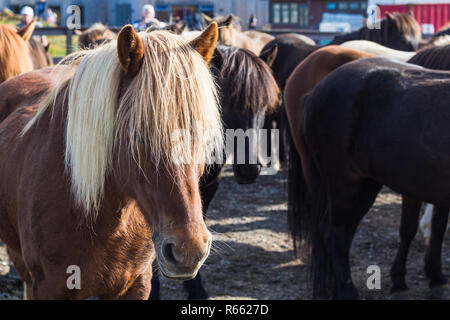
(399, 295)
(441, 292)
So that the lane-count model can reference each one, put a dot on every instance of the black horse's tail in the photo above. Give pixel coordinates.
(307, 207)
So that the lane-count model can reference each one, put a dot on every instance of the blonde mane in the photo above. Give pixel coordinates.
(173, 90)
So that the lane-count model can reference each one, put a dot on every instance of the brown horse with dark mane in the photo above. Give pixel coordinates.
(92, 177)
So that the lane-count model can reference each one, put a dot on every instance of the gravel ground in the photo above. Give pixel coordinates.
(253, 257)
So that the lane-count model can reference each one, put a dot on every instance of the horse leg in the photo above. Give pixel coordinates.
(195, 288)
(23, 272)
(433, 265)
(141, 288)
(156, 286)
(425, 223)
(348, 205)
(408, 229)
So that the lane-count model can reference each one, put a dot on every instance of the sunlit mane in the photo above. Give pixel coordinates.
(173, 90)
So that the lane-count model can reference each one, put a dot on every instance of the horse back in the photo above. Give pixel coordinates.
(374, 111)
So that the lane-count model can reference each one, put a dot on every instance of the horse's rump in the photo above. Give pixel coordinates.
(378, 50)
(434, 57)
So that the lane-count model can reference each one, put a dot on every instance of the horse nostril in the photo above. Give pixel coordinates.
(167, 252)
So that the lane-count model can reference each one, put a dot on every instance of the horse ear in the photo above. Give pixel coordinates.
(206, 42)
(228, 20)
(389, 16)
(27, 31)
(206, 19)
(130, 50)
(182, 26)
(269, 55)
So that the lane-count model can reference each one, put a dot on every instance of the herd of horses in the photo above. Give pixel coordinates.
(88, 176)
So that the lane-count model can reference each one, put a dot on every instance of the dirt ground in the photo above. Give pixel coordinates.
(253, 256)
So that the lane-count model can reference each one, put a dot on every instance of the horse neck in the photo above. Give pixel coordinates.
(51, 129)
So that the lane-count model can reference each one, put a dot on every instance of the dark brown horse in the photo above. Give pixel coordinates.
(368, 138)
(397, 31)
(434, 57)
(94, 36)
(248, 92)
(92, 178)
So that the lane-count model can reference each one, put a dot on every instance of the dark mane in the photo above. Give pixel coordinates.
(404, 24)
(249, 83)
(444, 31)
(434, 57)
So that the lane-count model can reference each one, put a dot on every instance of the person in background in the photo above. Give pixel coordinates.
(52, 16)
(27, 17)
(253, 22)
(148, 19)
(41, 8)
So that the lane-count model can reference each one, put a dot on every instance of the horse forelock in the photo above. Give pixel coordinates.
(249, 81)
(173, 90)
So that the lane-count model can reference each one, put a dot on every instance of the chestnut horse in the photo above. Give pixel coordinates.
(92, 175)
(365, 139)
(15, 56)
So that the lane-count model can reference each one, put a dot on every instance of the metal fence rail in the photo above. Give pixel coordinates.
(58, 31)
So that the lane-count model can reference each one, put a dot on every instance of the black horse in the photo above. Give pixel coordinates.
(433, 57)
(381, 129)
(247, 92)
(291, 51)
(397, 31)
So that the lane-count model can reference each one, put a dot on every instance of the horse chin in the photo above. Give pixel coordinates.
(171, 276)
